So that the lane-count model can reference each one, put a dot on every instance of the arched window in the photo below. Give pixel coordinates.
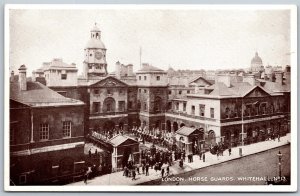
(168, 126)
(175, 126)
(109, 105)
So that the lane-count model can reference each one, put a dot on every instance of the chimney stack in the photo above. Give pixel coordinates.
(287, 74)
(279, 77)
(12, 76)
(250, 79)
(22, 78)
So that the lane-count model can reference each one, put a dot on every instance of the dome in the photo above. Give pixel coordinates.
(95, 43)
(95, 29)
(256, 59)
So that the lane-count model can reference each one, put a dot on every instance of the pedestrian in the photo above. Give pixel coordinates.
(138, 169)
(85, 178)
(143, 168)
(200, 155)
(162, 172)
(133, 174)
(229, 150)
(203, 157)
(278, 138)
(168, 170)
(90, 153)
(156, 167)
(147, 169)
(124, 172)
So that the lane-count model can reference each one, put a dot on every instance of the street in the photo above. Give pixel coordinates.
(249, 170)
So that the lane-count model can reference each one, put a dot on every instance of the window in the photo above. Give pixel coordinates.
(63, 76)
(157, 78)
(121, 91)
(140, 90)
(180, 92)
(96, 107)
(121, 106)
(67, 129)
(193, 109)
(90, 54)
(145, 106)
(145, 77)
(202, 109)
(140, 77)
(227, 112)
(108, 92)
(130, 104)
(170, 92)
(212, 112)
(145, 91)
(44, 131)
(184, 107)
(96, 91)
(188, 91)
(177, 106)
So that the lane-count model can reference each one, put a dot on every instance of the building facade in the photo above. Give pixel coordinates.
(46, 133)
(235, 108)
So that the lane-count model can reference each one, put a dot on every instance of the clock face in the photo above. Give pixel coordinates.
(98, 55)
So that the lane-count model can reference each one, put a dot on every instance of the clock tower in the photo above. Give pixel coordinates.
(95, 65)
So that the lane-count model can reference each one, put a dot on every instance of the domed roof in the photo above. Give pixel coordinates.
(95, 43)
(256, 59)
(95, 29)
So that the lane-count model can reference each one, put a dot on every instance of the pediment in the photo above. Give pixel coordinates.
(200, 81)
(257, 92)
(109, 82)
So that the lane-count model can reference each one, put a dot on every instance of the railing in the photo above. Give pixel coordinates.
(191, 116)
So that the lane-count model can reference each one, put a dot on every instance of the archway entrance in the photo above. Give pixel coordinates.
(211, 139)
(175, 126)
(126, 154)
(109, 105)
(168, 126)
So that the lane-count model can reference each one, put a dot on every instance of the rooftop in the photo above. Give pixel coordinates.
(38, 95)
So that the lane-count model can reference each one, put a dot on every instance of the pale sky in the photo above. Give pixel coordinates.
(193, 39)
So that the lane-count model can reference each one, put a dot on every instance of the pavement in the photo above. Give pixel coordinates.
(117, 178)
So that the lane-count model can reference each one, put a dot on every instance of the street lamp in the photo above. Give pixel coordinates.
(279, 163)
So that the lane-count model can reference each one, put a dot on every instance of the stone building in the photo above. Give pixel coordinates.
(46, 133)
(256, 64)
(233, 107)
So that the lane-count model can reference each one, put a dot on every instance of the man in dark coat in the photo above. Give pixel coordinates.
(203, 157)
(147, 169)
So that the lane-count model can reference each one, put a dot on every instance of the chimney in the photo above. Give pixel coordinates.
(22, 78)
(224, 78)
(287, 74)
(130, 70)
(279, 77)
(118, 70)
(250, 79)
(33, 77)
(12, 76)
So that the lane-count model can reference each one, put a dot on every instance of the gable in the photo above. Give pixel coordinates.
(128, 142)
(200, 81)
(109, 82)
(257, 92)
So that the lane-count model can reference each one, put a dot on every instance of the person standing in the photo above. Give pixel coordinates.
(138, 169)
(203, 157)
(168, 170)
(200, 155)
(147, 169)
(133, 174)
(229, 150)
(143, 168)
(90, 153)
(278, 138)
(162, 172)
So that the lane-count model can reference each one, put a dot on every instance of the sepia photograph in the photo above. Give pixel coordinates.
(149, 98)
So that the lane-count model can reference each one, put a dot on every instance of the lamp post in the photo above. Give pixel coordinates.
(279, 163)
